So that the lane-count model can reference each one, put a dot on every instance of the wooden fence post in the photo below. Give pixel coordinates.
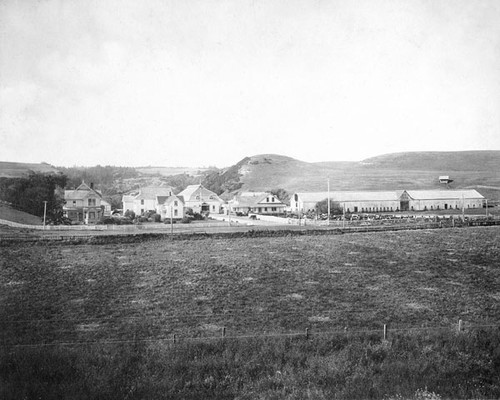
(460, 327)
(223, 331)
(385, 332)
(307, 333)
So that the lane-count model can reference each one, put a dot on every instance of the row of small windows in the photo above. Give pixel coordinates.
(388, 209)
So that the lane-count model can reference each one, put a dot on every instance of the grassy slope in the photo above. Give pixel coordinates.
(15, 169)
(393, 171)
(10, 214)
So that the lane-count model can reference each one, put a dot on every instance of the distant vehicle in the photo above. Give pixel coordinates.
(252, 216)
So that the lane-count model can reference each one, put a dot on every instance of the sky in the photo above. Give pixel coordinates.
(208, 82)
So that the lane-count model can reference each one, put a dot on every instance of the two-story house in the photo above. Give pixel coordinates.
(256, 202)
(83, 204)
(144, 199)
(201, 200)
(170, 207)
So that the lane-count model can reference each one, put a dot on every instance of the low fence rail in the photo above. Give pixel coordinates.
(384, 332)
(130, 233)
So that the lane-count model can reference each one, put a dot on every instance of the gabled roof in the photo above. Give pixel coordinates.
(253, 199)
(191, 191)
(151, 192)
(171, 199)
(81, 192)
(166, 200)
(444, 194)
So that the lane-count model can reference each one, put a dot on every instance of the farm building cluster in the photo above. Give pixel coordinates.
(86, 204)
(387, 201)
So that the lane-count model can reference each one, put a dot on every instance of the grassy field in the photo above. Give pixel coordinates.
(10, 214)
(144, 293)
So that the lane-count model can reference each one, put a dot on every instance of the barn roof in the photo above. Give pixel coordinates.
(349, 196)
(444, 194)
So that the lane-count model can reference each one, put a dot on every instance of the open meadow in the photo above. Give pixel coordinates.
(65, 298)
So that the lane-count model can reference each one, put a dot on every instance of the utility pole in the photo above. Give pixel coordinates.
(328, 201)
(343, 216)
(44, 213)
(463, 208)
(171, 219)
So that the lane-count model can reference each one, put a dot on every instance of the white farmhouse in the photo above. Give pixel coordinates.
(256, 202)
(200, 199)
(144, 199)
(170, 207)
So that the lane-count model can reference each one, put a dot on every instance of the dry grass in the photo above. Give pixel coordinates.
(249, 286)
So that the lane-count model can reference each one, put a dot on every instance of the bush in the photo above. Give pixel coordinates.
(186, 220)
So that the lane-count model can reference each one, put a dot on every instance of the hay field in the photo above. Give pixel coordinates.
(194, 288)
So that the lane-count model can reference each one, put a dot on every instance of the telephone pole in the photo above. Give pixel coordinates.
(328, 201)
(44, 213)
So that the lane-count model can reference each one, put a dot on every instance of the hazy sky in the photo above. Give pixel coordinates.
(198, 83)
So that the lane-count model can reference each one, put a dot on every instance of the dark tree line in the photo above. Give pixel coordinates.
(103, 177)
(29, 194)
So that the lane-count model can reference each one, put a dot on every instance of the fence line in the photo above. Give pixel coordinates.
(221, 232)
(384, 333)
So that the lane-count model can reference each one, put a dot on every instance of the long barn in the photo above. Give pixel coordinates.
(387, 201)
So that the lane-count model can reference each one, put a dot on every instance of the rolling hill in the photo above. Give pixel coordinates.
(18, 169)
(419, 170)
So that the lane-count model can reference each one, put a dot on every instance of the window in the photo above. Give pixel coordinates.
(91, 202)
(265, 208)
(267, 199)
(91, 215)
(273, 209)
(176, 203)
(142, 202)
(175, 213)
(74, 202)
(272, 199)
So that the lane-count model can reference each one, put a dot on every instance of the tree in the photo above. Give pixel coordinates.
(129, 214)
(335, 207)
(282, 195)
(29, 194)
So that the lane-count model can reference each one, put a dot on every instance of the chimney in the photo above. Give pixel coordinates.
(92, 185)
